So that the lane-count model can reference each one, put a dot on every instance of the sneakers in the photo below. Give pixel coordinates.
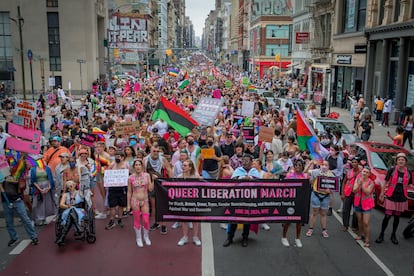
(339, 210)
(309, 233)
(265, 226)
(35, 241)
(223, 226)
(190, 225)
(12, 242)
(100, 216)
(196, 241)
(110, 225)
(163, 230)
(155, 226)
(182, 241)
(298, 243)
(120, 223)
(176, 225)
(329, 212)
(285, 242)
(124, 214)
(325, 234)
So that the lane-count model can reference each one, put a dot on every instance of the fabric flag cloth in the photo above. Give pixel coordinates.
(97, 130)
(307, 138)
(186, 77)
(127, 89)
(137, 87)
(217, 94)
(183, 84)
(173, 72)
(251, 88)
(174, 117)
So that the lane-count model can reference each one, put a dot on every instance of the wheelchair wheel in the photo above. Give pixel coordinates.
(90, 239)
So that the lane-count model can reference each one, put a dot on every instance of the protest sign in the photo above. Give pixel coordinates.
(116, 178)
(28, 134)
(87, 139)
(4, 166)
(25, 109)
(247, 109)
(248, 134)
(25, 122)
(127, 128)
(22, 145)
(327, 182)
(266, 134)
(233, 201)
(208, 153)
(206, 111)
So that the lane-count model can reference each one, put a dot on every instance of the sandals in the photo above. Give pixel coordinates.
(366, 244)
(358, 238)
(325, 234)
(309, 232)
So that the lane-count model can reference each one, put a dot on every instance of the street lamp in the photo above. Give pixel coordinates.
(19, 21)
(80, 61)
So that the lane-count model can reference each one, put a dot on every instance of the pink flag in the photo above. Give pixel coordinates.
(137, 87)
(217, 94)
(127, 89)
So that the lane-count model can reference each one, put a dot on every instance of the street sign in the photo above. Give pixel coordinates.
(51, 81)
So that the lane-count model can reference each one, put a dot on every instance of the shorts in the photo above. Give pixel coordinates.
(99, 178)
(320, 201)
(151, 193)
(358, 209)
(92, 183)
(117, 197)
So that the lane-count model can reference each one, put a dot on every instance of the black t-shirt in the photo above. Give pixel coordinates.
(366, 127)
(12, 191)
(227, 149)
(333, 163)
(211, 164)
(398, 193)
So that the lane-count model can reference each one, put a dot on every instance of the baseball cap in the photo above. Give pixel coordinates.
(64, 154)
(56, 138)
(133, 137)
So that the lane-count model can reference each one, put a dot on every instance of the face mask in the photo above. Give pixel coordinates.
(210, 143)
(190, 143)
(132, 143)
(117, 160)
(72, 164)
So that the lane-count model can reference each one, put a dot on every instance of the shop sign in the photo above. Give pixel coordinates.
(344, 59)
(360, 49)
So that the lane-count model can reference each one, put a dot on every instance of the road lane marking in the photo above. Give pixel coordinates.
(20, 247)
(366, 249)
(207, 252)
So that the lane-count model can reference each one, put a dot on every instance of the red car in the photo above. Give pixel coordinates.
(380, 157)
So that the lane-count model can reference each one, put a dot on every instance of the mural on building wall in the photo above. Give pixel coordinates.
(128, 31)
(271, 7)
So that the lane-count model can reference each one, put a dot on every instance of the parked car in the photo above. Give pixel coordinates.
(268, 95)
(380, 157)
(325, 125)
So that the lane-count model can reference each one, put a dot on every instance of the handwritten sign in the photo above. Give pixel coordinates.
(125, 101)
(28, 134)
(25, 109)
(248, 134)
(206, 111)
(87, 139)
(247, 108)
(127, 128)
(266, 134)
(326, 182)
(116, 178)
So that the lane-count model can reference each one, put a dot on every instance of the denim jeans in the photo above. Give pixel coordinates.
(20, 208)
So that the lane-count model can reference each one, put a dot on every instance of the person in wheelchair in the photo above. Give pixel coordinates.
(72, 204)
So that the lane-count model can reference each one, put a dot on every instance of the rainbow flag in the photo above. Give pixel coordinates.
(306, 136)
(251, 88)
(173, 72)
(18, 171)
(10, 158)
(36, 163)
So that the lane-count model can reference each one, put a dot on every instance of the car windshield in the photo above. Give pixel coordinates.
(268, 94)
(321, 126)
(385, 160)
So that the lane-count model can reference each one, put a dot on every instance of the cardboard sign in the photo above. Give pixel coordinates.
(127, 128)
(87, 139)
(21, 145)
(25, 122)
(28, 134)
(327, 182)
(116, 178)
(208, 153)
(125, 101)
(248, 134)
(266, 134)
(25, 109)
(247, 109)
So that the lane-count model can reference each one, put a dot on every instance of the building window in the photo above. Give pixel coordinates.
(277, 31)
(397, 8)
(6, 46)
(326, 26)
(52, 3)
(55, 61)
(381, 11)
(274, 49)
(354, 15)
